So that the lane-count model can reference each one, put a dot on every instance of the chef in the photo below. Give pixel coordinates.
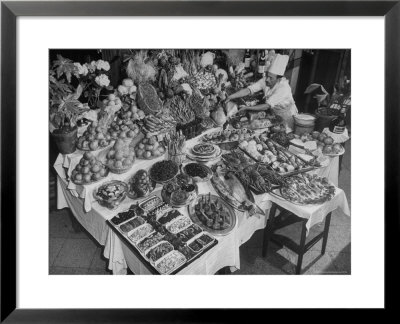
(277, 92)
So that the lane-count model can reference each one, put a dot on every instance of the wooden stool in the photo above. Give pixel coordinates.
(286, 218)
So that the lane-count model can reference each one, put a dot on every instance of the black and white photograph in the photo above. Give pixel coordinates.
(206, 161)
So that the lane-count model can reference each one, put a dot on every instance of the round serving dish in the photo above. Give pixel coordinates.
(160, 164)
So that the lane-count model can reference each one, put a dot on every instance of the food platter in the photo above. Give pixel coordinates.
(228, 210)
(199, 172)
(306, 190)
(148, 187)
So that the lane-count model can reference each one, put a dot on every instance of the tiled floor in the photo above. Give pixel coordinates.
(72, 252)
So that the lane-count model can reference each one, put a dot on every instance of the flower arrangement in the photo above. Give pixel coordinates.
(71, 84)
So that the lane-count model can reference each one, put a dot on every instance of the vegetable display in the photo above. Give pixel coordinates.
(149, 148)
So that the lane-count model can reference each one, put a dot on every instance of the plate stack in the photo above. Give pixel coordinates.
(204, 152)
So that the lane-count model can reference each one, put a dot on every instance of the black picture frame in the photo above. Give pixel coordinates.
(9, 13)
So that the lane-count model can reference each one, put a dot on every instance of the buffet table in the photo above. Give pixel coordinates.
(93, 217)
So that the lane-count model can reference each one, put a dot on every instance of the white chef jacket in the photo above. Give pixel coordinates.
(279, 97)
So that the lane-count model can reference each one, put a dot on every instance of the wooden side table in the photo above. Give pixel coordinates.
(286, 218)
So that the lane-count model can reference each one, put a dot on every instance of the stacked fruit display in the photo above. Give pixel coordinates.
(149, 148)
(123, 129)
(120, 158)
(133, 113)
(112, 103)
(94, 138)
(88, 170)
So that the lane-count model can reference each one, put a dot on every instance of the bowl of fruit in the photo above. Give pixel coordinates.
(89, 170)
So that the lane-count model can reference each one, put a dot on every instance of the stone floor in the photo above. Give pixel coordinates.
(76, 252)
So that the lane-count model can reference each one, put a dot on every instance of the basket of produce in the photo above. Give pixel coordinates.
(163, 171)
(147, 99)
(140, 185)
(212, 214)
(111, 194)
(89, 170)
(149, 148)
(199, 172)
(120, 157)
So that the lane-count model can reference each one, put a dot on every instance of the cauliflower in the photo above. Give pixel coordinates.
(81, 69)
(102, 80)
(132, 89)
(259, 147)
(123, 90)
(102, 65)
(127, 82)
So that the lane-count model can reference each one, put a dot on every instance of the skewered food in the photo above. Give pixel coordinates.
(88, 170)
(211, 213)
(163, 171)
(111, 194)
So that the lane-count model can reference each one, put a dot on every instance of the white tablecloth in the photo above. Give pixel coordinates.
(93, 218)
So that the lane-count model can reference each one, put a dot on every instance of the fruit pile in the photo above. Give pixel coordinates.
(94, 138)
(133, 113)
(122, 129)
(112, 102)
(120, 157)
(149, 148)
(88, 170)
(324, 142)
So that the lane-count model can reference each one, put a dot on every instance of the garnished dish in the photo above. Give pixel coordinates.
(199, 172)
(171, 262)
(149, 148)
(89, 170)
(168, 217)
(133, 211)
(140, 185)
(163, 171)
(159, 250)
(111, 194)
(179, 224)
(306, 189)
(229, 135)
(150, 203)
(141, 232)
(149, 242)
(212, 214)
(132, 224)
